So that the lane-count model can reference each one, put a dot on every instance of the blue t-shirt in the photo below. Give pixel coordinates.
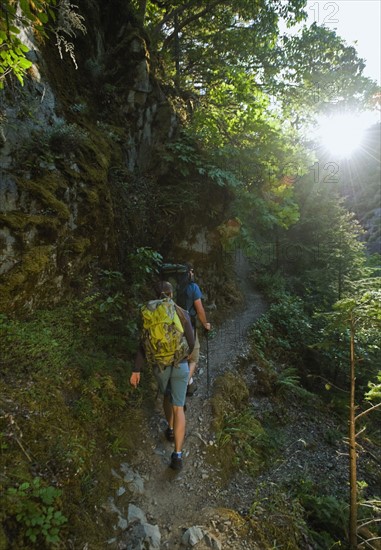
(192, 293)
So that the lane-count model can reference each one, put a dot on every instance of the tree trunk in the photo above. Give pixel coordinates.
(352, 449)
(277, 250)
(142, 11)
(177, 52)
(340, 278)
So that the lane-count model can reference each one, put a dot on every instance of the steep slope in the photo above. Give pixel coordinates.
(84, 175)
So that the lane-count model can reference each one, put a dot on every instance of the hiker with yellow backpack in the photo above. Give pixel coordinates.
(167, 340)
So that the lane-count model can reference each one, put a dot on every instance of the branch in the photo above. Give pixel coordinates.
(328, 382)
(371, 504)
(369, 522)
(360, 432)
(187, 20)
(372, 408)
(171, 14)
(373, 538)
(22, 447)
(366, 541)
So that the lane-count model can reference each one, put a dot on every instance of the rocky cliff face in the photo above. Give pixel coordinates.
(74, 145)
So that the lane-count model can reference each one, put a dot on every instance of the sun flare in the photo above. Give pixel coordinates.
(342, 134)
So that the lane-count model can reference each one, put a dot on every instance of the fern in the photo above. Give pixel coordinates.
(288, 381)
(69, 22)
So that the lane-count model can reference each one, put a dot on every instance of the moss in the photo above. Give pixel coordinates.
(279, 521)
(19, 221)
(230, 396)
(92, 174)
(44, 190)
(16, 277)
(80, 245)
(94, 154)
(34, 262)
(92, 197)
(37, 259)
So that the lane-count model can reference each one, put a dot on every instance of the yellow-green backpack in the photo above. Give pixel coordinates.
(163, 336)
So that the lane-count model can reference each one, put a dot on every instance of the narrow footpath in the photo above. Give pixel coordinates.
(159, 508)
(155, 508)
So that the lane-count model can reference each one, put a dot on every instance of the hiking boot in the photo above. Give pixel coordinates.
(176, 462)
(169, 434)
(191, 389)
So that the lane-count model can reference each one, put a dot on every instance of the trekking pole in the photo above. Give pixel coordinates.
(207, 365)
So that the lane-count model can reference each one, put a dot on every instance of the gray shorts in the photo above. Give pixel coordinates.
(174, 381)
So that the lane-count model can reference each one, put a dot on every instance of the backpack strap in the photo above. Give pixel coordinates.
(184, 316)
(181, 313)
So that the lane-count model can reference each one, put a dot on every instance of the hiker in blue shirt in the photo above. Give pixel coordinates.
(172, 382)
(190, 298)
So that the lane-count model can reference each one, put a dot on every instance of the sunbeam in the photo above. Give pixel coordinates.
(342, 134)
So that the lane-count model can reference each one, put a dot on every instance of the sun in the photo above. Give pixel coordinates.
(342, 134)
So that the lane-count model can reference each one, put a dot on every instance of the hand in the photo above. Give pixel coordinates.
(135, 379)
(207, 326)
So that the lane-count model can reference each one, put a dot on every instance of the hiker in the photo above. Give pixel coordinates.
(172, 379)
(190, 298)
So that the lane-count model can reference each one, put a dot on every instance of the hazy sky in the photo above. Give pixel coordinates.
(354, 20)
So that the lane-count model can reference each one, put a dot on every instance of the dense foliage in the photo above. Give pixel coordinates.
(67, 370)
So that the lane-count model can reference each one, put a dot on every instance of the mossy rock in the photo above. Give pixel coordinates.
(22, 281)
(79, 244)
(20, 221)
(43, 190)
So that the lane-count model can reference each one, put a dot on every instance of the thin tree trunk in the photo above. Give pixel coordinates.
(177, 52)
(340, 278)
(277, 250)
(142, 11)
(352, 449)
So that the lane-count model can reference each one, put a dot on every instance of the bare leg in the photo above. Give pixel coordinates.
(168, 410)
(179, 427)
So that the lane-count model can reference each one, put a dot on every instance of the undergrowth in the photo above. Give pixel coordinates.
(282, 365)
(66, 412)
(242, 441)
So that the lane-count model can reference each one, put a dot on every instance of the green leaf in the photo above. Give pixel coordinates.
(52, 15)
(43, 17)
(24, 6)
(25, 63)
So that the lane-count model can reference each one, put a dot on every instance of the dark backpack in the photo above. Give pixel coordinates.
(178, 276)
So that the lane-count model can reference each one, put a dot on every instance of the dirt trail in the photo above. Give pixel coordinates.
(197, 496)
(176, 501)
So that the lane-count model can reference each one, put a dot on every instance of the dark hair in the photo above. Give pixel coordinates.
(164, 288)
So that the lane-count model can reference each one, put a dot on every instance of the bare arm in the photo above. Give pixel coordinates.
(201, 313)
(139, 362)
(189, 335)
(187, 326)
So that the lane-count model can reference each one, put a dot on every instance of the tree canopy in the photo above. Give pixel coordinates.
(249, 89)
